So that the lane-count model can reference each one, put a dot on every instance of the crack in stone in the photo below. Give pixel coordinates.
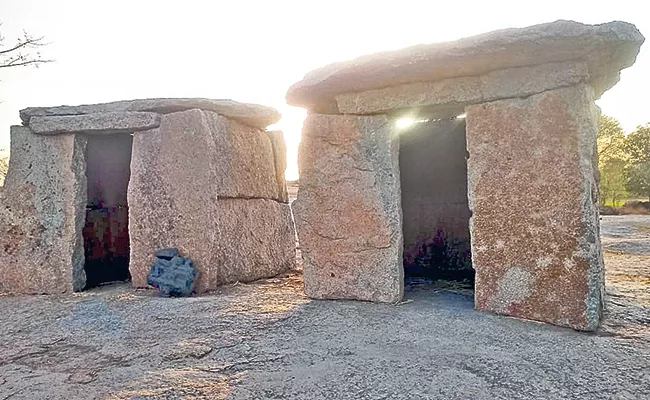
(222, 198)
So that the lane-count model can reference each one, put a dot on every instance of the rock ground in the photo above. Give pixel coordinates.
(267, 340)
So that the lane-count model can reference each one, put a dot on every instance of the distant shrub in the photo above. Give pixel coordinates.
(609, 210)
(636, 207)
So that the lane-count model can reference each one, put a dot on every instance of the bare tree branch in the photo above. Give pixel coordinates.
(23, 52)
(29, 42)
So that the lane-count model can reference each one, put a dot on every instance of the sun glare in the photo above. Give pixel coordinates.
(404, 122)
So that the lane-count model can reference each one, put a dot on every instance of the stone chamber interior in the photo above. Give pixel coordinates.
(433, 174)
(106, 233)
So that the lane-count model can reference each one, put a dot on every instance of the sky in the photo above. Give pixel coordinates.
(252, 51)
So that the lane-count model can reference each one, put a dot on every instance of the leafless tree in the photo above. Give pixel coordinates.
(22, 52)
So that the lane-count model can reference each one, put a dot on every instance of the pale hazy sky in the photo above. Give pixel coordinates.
(252, 51)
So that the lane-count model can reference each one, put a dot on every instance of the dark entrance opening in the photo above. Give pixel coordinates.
(433, 170)
(106, 233)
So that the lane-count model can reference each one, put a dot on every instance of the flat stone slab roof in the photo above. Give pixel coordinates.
(250, 114)
(605, 48)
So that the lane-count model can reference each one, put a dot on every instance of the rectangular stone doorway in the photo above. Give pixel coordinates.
(106, 232)
(433, 175)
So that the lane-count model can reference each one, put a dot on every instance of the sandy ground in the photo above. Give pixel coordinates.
(267, 341)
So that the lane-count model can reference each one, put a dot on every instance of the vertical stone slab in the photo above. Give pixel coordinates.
(280, 157)
(172, 195)
(256, 239)
(244, 159)
(533, 194)
(42, 214)
(348, 211)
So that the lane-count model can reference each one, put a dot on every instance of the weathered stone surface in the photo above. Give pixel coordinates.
(348, 211)
(605, 48)
(256, 239)
(97, 123)
(249, 114)
(42, 214)
(433, 181)
(243, 158)
(536, 254)
(280, 156)
(178, 171)
(173, 196)
(435, 97)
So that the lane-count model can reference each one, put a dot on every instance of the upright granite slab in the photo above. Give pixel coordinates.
(172, 196)
(244, 159)
(348, 211)
(207, 185)
(42, 214)
(533, 194)
(256, 239)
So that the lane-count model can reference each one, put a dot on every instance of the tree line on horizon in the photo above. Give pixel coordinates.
(623, 162)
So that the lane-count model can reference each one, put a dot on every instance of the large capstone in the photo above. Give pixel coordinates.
(95, 124)
(250, 114)
(604, 49)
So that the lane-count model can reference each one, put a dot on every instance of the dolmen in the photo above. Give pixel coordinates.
(109, 184)
(487, 144)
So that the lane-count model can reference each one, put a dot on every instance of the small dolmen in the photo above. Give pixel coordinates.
(481, 152)
(93, 191)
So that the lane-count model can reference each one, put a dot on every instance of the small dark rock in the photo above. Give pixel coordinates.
(175, 277)
(167, 254)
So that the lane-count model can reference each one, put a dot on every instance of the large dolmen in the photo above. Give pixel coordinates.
(94, 191)
(475, 155)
